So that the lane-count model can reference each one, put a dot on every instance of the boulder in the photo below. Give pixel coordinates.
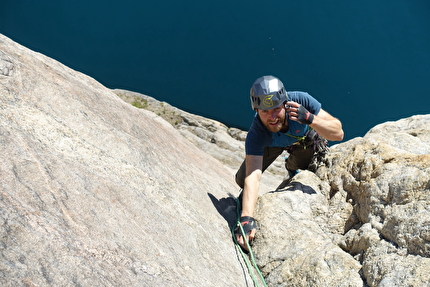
(362, 219)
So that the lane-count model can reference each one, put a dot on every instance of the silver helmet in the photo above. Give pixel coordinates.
(267, 93)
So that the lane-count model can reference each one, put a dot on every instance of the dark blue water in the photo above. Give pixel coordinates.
(366, 61)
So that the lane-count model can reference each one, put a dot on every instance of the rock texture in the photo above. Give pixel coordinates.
(96, 192)
(223, 143)
(362, 220)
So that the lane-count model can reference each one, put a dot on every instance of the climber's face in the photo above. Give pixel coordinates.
(273, 119)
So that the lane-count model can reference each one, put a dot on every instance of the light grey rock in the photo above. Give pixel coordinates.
(387, 266)
(367, 207)
(358, 241)
(387, 182)
(95, 192)
(293, 246)
(224, 143)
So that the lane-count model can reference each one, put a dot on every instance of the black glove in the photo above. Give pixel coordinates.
(304, 116)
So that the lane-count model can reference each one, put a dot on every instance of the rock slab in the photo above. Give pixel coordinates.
(95, 192)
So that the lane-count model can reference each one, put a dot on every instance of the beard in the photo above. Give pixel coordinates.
(275, 125)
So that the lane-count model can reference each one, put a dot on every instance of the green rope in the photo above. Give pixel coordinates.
(245, 258)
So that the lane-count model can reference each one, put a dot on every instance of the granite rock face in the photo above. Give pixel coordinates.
(96, 192)
(224, 143)
(362, 220)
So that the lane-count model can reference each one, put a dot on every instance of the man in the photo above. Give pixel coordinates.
(291, 121)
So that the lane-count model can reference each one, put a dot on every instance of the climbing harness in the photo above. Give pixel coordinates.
(251, 254)
(313, 140)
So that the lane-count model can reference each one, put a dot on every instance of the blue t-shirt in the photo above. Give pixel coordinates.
(259, 137)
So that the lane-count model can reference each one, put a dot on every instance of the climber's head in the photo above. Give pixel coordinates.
(267, 93)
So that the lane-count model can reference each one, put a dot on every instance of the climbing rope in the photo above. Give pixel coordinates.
(251, 254)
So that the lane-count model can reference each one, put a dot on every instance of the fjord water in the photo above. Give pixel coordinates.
(366, 61)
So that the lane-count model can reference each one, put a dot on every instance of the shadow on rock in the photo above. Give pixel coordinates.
(295, 185)
(226, 207)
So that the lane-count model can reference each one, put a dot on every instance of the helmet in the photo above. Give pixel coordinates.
(267, 93)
